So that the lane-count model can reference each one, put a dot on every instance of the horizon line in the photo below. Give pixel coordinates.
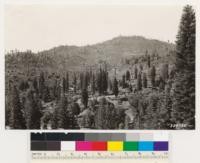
(85, 45)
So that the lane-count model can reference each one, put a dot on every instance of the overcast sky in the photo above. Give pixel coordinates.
(39, 27)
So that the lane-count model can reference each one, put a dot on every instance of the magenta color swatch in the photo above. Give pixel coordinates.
(83, 146)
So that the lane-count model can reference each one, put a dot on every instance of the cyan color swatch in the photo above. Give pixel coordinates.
(145, 146)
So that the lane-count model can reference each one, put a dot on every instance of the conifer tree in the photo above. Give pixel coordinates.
(54, 119)
(93, 84)
(141, 67)
(148, 60)
(32, 110)
(104, 81)
(74, 82)
(7, 108)
(128, 75)
(46, 95)
(153, 75)
(139, 82)
(23, 85)
(144, 80)
(164, 72)
(115, 87)
(86, 81)
(75, 108)
(16, 120)
(35, 85)
(41, 85)
(100, 114)
(67, 82)
(183, 108)
(90, 74)
(72, 122)
(161, 84)
(152, 110)
(99, 81)
(136, 72)
(110, 116)
(185, 44)
(123, 81)
(110, 85)
(57, 90)
(64, 84)
(84, 97)
(81, 80)
(62, 115)
(168, 109)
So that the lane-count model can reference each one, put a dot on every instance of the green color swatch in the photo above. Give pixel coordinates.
(130, 146)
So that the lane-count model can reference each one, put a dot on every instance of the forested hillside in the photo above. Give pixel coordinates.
(124, 83)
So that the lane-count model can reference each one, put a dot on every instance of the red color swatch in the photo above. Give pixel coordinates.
(99, 146)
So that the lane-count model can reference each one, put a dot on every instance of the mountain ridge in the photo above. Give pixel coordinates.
(111, 51)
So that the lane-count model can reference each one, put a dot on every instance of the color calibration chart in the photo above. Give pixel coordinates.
(89, 147)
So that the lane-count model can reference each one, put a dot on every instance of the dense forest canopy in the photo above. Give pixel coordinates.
(124, 83)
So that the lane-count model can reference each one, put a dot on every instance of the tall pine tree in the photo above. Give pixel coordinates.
(62, 113)
(124, 81)
(99, 82)
(115, 87)
(139, 82)
(144, 80)
(67, 82)
(148, 59)
(128, 75)
(64, 84)
(183, 108)
(74, 82)
(136, 72)
(17, 120)
(41, 85)
(153, 75)
(84, 97)
(93, 84)
(32, 110)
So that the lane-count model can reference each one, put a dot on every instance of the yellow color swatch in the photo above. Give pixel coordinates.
(115, 146)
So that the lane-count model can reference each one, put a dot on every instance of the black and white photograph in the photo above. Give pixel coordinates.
(100, 67)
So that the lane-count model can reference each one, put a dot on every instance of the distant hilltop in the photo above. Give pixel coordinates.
(111, 51)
